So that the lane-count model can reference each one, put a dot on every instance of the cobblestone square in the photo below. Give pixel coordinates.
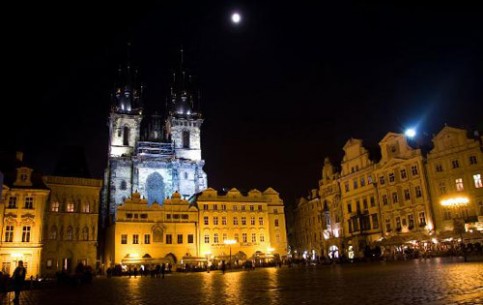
(431, 281)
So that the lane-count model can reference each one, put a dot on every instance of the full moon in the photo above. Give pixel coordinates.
(235, 18)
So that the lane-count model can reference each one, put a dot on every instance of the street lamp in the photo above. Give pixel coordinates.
(230, 242)
(456, 204)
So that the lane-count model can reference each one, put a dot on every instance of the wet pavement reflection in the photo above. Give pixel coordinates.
(431, 281)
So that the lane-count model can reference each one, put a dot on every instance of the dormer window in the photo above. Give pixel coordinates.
(24, 175)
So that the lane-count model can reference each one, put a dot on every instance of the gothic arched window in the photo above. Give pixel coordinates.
(155, 188)
(125, 136)
(53, 233)
(85, 233)
(186, 139)
(69, 235)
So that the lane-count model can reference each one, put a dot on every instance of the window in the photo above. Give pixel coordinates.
(363, 181)
(346, 186)
(477, 180)
(53, 233)
(275, 211)
(85, 207)
(29, 202)
(190, 238)
(439, 168)
(12, 203)
(169, 238)
(394, 197)
(223, 220)
(205, 207)
(276, 222)
(54, 206)
(369, 180)
(442, 188)
(236, 237)
(123, 185)
(147, 239)
(9, 234)
(260, 221)
(259, 207)
(398, 223)
(381, 180)
(252, 207)
(205, 220)
(186, 175)
(186, 139)
(373, 202)
(410, 221)
(215, 238)
(49, 263)
(124, 239)
(235, 221)
(235, 207)
(215, 207)
(349, 207)
(244, 221)
(180, 238)
(384, 199)
(243, 208)
(125, 138)
(403, 174)
(262, 238)
(223, 207)
(207, 238)
(355, 184)
(215, 220)
(422, 219)
(419, 193)
(391, 177)
(85, 233)
(70, 207)
(135, 239)
(69, 235)
(375, 221)
(459, 184)
(388, 225)
(414, 170)
(364, 204)
(473, 160)
(225, 237)
(254, 238)
(244, 237)
(407, 195)
(455, 163)
(252, 220)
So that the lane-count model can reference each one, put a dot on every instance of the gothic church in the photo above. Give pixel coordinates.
(154, 155)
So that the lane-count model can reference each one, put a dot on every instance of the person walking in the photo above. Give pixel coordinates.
(18, 280)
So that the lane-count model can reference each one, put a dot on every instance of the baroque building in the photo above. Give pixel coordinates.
(71, 224)
(204, 231)
(455, 170)
(155, 156)
(23, 200)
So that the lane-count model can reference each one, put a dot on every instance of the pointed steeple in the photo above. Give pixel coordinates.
(183, 96)
(128, 91)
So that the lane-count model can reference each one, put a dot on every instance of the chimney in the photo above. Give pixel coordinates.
(19, 156)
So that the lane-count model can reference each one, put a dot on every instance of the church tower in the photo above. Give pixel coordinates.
(124, 131)
(184, 120)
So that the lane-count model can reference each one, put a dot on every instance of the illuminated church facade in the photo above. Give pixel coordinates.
(153, 155)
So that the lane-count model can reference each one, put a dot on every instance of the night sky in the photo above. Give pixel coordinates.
(280, 91)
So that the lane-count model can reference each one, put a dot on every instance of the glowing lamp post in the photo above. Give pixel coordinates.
(230, 242)
(456, 203)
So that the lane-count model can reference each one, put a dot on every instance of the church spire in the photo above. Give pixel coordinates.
(127, 95)
(183, 96)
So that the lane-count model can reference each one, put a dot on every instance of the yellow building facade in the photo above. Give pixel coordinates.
(71, 224)
(24, 198)
(148, 235)
(250, 226)
(360, 208)
(405, 202)
(455, 171)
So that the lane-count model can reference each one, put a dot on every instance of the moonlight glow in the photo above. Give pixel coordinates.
(410, 133)
(235, 18)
